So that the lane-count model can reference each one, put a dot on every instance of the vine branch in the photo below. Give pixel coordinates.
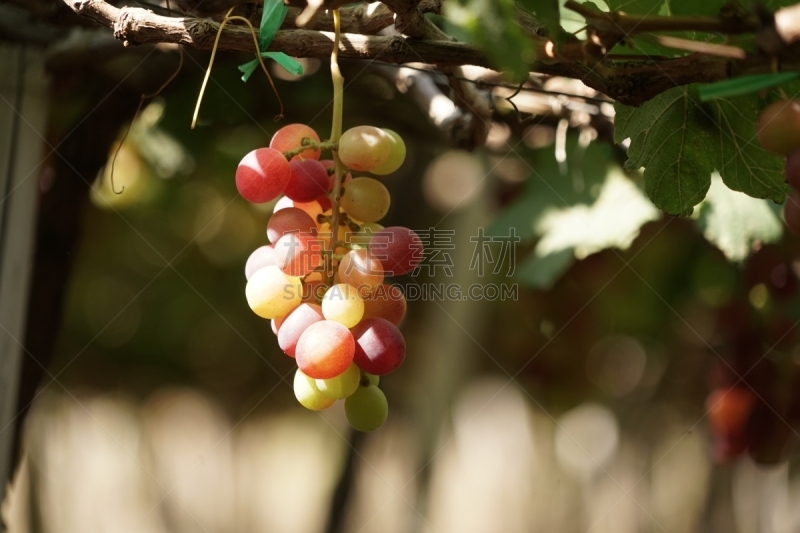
(631, 82)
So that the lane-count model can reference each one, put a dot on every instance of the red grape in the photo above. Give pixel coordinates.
(297, 254)
(325, 349)
(262, 175)
(728, 410)
(295, 323)
(380, 347)
(261, 257)
(291, 136)
(387, 302)
(290, 220)
(308, 181)
(399, 250)
(778, 127)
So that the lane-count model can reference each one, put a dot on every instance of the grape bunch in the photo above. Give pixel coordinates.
(321, 280)
(778, 131)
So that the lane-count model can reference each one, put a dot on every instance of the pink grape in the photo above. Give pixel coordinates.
(398, 248)
(295, 323)
(297, 254)
(271, 293)
(291, 136)
(364, 147)
(778, 127)
(387, 302)
(361, 270)
(290, 220)
(308, 181)
(261, 257)
(380, 347)
(793, 169)
(312, 208)
(325, 350)
(262, 175)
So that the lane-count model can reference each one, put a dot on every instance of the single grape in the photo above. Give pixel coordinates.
(363, 235)
(387, 302)
(343, 304)
(364, 148)
(728, 410)
(342, 385)
(262, 175)
(791, 212)
(366, 199)
(291, 136)
(307, 182)
(290, 220)
(312, 208)
(325, 349)
(295, 323)
(297, 254)
(399, 249)
(366, 409)
(359, 269)
(271, 293)
(397, 154)
(380, 347)
(307, 393)
(261, 257)
(778, 127)
(793, 169)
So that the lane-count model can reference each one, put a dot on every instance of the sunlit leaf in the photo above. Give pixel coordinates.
(290, 64)
(734, 222)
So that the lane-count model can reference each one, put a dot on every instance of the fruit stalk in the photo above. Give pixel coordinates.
(336, 133)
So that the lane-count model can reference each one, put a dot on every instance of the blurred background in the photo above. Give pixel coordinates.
(578, 406)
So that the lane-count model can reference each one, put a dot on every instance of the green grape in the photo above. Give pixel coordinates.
(307, 393)
(364, 148)
(366, 199)
(366, 409)
(343, 304)
(343, 385)
(373, 379)
(397, 154)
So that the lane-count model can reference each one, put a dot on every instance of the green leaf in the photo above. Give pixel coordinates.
(744, 85)
(734, 222)
(680, 143)
(742, 163)
(670, 137)
(271, 19)
(575, 209)
(490, 25)
(290, 64)
(547, 12)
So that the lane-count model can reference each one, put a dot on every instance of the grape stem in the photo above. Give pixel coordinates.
(336, 133)
(307, 144)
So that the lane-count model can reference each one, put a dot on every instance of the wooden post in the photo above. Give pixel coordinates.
(23, 116)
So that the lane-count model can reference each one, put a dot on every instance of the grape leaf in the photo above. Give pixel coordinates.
(272, 16)
(670, 138)
(591, 207)
(734, 222)
(745, 85)
(547, 12)
(290, 64)
(680, 143)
